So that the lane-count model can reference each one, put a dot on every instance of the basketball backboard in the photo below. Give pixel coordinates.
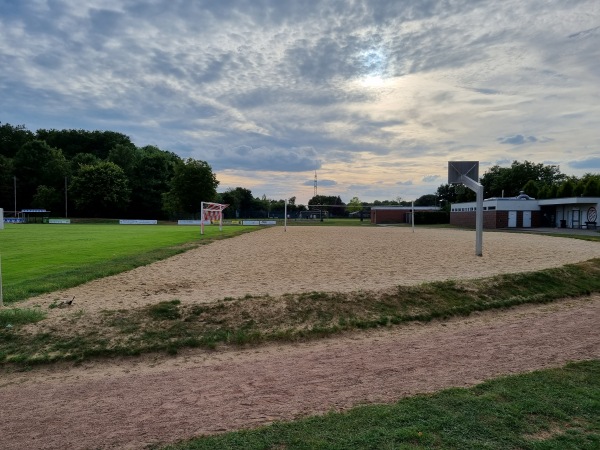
(456, 169)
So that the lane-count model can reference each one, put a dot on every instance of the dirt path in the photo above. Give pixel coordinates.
(129, 404)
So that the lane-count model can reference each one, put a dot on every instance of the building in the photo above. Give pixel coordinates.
(526, 212)
(396, 214)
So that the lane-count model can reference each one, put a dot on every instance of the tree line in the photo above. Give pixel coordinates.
(537, 180)
(103, 174)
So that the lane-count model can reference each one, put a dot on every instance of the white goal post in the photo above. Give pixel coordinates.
(211, 211)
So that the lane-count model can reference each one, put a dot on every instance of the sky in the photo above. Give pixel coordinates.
(376, 96)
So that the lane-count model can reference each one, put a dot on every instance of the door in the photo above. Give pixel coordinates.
(526, 219)
(512, 219)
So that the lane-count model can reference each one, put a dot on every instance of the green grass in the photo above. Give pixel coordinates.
(550, 409)
(10, 317)
(251, 320)
(40, 258)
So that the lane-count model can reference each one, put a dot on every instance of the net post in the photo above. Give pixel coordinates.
(201, 218)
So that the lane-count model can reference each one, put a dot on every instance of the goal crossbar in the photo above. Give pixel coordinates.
(211, 211)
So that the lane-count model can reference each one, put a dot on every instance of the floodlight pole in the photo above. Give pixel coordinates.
(478, 188)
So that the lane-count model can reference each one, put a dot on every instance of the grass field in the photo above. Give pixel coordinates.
(40, 258)
(551, 409)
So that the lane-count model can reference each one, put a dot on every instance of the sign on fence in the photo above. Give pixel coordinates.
(137, 222)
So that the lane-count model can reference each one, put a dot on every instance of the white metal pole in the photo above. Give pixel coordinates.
(285, 215)
(221, 220)
(413, 216)
(201, 218)
(479, 222)
(478, 188)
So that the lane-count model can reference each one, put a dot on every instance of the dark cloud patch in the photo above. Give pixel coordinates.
(404, 183)
(517, 139)
(325, 59)
(266, 159)
(322, 183)
(104, 22)
(50, 61)
(592, 163)
(431, 178)
(486, 91)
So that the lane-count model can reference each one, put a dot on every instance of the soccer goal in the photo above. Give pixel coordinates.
(211, 212)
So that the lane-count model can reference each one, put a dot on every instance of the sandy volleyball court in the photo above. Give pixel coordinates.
(341, 259)
(135, 402)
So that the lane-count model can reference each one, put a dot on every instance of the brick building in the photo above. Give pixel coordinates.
(526, 212)
(396, 214)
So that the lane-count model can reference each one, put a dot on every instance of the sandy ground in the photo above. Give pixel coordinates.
(154, 399)
(335, 259)
(133, 403)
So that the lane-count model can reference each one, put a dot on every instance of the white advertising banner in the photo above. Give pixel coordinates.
(137, 222)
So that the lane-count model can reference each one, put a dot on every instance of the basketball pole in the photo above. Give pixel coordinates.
(478, 188)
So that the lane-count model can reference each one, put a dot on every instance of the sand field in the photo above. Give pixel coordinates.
(156, 399)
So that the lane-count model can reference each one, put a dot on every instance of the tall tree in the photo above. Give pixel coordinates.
(100, 190)
(12, 138)
(149, 179)
(511, 180)
(426, 200)
(36, 163)
(71, 142)
(6, 182)
(193, 183)
(354, 205)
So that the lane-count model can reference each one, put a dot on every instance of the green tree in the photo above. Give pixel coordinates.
(71, 142)
(124, 156)
(35, 164)
(149, 179)
(12, 138)
(193, 183)
(6, 182)
(331, 203)
(511, 180)
(566, 189)
(426, 200)
(48, 198)
(100, 190)
(83, 159)
(355, 205)
(532, 189)
(591, 186)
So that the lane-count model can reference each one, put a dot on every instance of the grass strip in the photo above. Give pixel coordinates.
(549, 409)
(170, 326)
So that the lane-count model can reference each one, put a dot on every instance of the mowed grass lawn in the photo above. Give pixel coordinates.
(39, 258)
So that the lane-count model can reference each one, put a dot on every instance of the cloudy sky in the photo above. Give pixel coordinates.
(376, 95)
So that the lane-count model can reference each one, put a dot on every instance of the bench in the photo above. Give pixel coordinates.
(590, 225)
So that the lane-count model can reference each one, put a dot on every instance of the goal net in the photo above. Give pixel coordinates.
(212, 212)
